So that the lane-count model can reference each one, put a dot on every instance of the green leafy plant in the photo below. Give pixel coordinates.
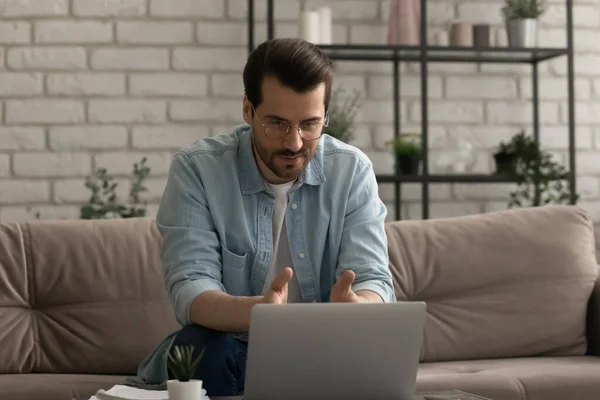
(407, 151)
(104, 202)
(405, 145)
(342, 114)
(181, 364)
(524, 9)
(540, 180)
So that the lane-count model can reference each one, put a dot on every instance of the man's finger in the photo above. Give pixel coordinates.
(344, 284)
(347, 279)
(282, 279)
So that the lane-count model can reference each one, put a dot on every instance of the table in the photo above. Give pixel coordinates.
(448, 395)
(438, 395)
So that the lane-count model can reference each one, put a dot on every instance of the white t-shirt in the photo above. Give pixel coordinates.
(281, 248)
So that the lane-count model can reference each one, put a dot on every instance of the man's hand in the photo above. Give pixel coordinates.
(278, 293)
(342, 291)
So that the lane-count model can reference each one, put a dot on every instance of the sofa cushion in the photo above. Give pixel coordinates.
(543, 378)
(54, 386)
(511, 283)
(89, 294)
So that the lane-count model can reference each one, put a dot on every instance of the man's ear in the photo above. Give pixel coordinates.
(247, 110)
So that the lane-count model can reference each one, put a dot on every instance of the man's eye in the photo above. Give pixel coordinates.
(309, 125)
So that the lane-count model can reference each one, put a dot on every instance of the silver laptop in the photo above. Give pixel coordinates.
(334, 351)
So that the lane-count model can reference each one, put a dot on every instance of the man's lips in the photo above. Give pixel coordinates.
(291, 158)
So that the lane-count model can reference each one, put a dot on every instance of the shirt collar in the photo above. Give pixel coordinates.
(251, 179)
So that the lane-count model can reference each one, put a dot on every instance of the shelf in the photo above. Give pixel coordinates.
(448, 178)
(358, 52)
(451, 54)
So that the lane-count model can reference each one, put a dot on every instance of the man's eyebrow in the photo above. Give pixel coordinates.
(309, 119)
(272, 116)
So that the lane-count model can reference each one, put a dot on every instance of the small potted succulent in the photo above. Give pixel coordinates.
(182, 367)
(407, 152)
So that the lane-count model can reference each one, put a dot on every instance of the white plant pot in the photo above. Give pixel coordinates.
(522, 32)
(191, 390)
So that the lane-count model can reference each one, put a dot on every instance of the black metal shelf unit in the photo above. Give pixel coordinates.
(425, 54)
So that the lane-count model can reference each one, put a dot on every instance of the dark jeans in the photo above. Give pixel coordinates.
(223, 365)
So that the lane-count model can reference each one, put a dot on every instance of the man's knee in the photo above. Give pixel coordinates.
(216, 345)
(222, 367)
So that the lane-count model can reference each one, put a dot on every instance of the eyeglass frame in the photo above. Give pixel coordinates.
(324, 123)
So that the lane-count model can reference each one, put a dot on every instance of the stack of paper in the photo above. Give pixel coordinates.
(122, 392)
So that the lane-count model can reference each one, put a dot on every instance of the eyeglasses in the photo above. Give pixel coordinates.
(277, 129)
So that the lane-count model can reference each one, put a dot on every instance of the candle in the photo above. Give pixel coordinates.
(325, 22)
(309, 26)
(441, 38)
(461, 34)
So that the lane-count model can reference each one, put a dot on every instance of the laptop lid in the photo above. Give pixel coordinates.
(334, 351)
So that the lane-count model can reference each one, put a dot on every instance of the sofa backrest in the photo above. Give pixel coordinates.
(81, 296)
(510, 283)
(88, 296)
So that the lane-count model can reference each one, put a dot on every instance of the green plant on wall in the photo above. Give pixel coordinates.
(104, 202)
(540, 180)
(524, 9)
(342, 114)
(407, 152)
(405, 145)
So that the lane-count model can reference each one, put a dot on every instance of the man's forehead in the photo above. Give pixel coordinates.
(291, 102)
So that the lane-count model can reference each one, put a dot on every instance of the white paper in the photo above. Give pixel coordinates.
(325, 25)
(309, 26)
(123, 392)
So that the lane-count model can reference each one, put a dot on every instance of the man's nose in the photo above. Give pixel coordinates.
(293, 140)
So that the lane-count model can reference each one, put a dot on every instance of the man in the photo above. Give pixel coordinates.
(274, 212)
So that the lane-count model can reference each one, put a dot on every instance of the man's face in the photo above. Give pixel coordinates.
(282, 160)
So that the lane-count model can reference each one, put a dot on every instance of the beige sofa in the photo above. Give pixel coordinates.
(513, 303)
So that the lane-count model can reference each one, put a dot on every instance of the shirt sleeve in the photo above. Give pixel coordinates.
(190, 250)
(364, 241)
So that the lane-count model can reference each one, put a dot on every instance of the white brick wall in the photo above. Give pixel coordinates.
(90, 83)
(109, 8)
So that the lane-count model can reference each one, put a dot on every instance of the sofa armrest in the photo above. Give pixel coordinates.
(593, 321)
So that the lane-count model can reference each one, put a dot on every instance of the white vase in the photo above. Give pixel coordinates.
(190, 390)
(404, 23)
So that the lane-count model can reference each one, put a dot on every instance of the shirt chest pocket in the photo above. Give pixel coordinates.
(236, 272)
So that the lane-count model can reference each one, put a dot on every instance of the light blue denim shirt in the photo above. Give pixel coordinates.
(216, 216)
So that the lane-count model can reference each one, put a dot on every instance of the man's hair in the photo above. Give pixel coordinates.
(296, 63)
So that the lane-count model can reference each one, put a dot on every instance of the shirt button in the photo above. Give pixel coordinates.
(300, 255)
(294, 206)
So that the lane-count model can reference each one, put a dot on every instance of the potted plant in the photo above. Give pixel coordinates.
(407, 152)
(521, 21)
(341, 115)
(182, 367)
(540, 180)
(505, 157)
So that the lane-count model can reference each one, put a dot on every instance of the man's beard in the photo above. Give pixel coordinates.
(286, 171)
